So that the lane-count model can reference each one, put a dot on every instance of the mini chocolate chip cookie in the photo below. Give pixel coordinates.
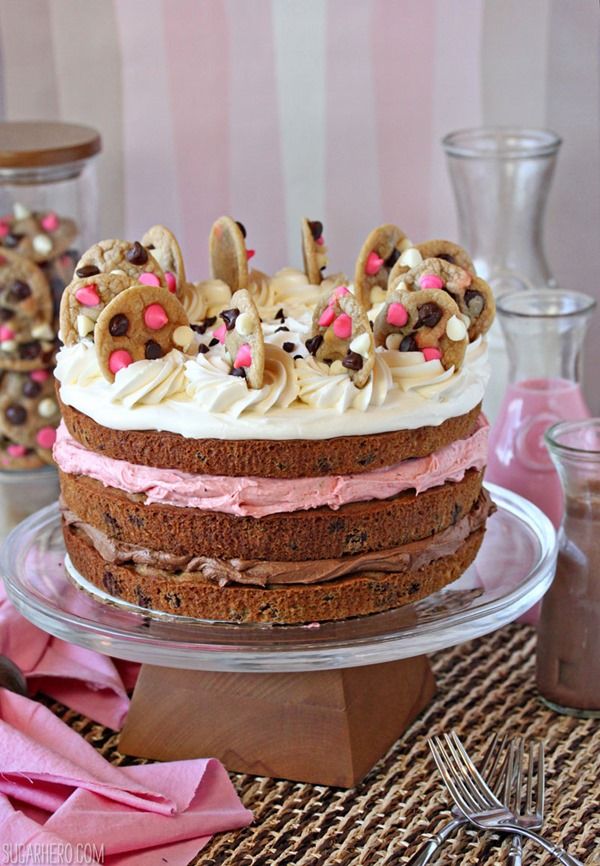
(82, 302)
(426, 321)
(27, 335)
(341, 334)
(38, 236)
(241, 332)
(163, 245)
(228, 253)
(377, 257)
(141, 323)
(29, 413)
(121, 257)
(314, 251)
(473, 295)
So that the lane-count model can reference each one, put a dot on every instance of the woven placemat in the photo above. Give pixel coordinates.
(486, 685)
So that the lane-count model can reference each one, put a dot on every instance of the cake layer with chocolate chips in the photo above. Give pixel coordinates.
(191, 594)
(294, 536)
(290, 458)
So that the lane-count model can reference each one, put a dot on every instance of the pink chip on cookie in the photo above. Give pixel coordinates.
(39, 375)
(171, 282)
(16, 450)
(148, 279)
(46, 437)
(88, 296)
(50, 222)
(373, 264)
(220, 333)
(431, 281)
(119, 359)
(342, 327)
(430, 353)
(155, 317)
(6, 333)
(397, 315)
(243, 357)
(327, 317)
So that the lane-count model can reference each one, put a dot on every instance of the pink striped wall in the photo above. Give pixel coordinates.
(270, 109)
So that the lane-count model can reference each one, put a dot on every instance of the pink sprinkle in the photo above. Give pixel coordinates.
(50, 222)
(431, 354)
(46, 437)
(250, 254)
(155, 317)
(148, 279)
(320, 241)
(4, 228)
(342, 327)
(431, 281)
(243, 357)
(373, 265)
(171, 282)
(88, 296)
(327, 317)
(119, 359)
(221, 333)
(6, 333)
(17, 450)
(39, 375)
(397, 315)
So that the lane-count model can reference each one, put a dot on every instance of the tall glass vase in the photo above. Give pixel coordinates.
(501, 178)
(544, 332)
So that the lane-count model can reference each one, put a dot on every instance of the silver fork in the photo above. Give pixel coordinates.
(494, 771)
(522, 799)
(477, 802)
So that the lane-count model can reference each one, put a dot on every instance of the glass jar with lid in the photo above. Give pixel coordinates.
(48, 217)
(49, 194)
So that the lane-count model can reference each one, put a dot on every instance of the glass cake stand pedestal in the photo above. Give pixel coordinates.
(316, 703)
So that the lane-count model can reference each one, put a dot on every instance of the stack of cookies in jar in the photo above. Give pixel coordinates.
(36, 262)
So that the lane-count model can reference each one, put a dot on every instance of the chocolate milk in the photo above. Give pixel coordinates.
(568, 649)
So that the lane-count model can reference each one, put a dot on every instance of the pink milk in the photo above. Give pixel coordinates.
(518, 458)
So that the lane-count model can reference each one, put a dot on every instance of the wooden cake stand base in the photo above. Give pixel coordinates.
(328, 727)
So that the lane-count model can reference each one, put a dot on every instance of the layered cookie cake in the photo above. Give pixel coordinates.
(284, 449)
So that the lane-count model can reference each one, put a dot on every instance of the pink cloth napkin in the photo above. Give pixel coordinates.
(56, 790)
(90, 683)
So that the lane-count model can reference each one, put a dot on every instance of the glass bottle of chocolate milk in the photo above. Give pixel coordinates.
(568, 649)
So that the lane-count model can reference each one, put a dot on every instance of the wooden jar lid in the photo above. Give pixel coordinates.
(33, 143)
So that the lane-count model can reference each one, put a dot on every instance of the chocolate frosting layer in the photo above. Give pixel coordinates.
(264, 573)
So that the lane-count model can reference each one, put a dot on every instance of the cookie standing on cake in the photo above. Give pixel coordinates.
(280, 449)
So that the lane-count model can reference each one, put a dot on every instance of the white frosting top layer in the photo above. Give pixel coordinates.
(301, 398)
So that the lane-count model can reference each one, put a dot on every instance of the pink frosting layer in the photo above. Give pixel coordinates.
(257, 497)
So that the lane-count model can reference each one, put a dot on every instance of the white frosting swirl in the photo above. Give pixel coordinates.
(194, 301)
(410, 371)
(144, 383)
(323, 388)
(211, 385)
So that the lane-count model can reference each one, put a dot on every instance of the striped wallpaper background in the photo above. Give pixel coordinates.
(271, 109)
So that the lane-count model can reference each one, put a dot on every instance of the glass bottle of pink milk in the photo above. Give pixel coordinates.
(544, 332)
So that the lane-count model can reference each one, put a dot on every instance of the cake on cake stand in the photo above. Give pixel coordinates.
(317, 703)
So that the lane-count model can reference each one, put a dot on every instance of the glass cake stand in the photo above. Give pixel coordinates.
(512, 571)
